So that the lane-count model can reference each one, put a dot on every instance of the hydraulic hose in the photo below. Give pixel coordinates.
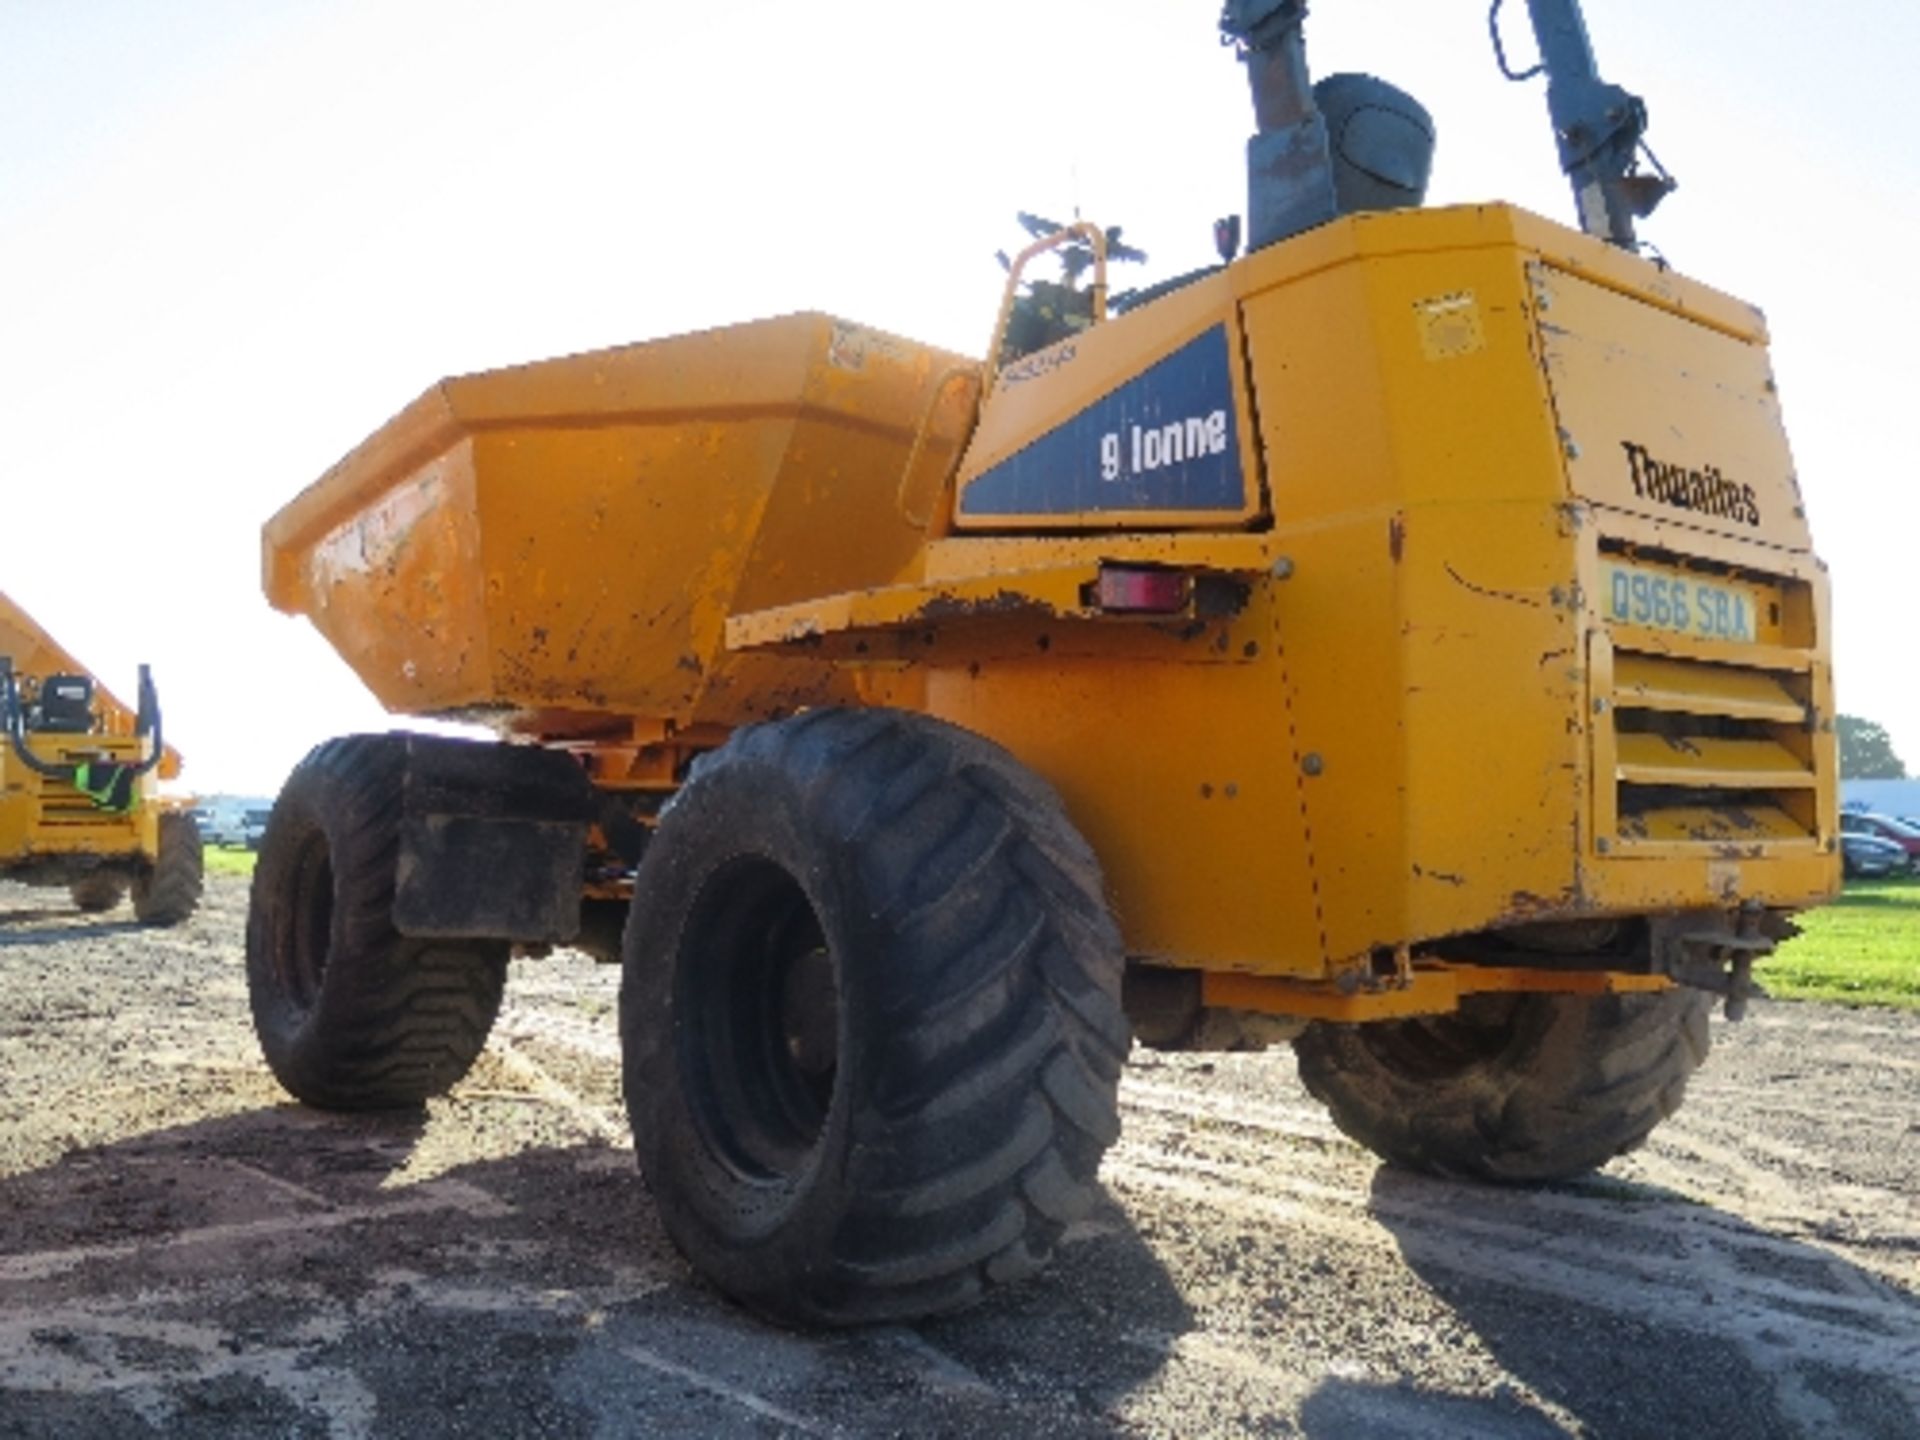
(107, 783)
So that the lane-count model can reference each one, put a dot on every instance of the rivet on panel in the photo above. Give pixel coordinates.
(1312, 764)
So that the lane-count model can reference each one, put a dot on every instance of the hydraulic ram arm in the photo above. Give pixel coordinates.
(1598, 126)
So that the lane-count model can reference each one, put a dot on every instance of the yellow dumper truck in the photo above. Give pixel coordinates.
(77, 807)
(1403, 637)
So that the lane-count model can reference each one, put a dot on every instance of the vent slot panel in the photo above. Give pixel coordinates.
(1706, 762)
(1704, 751)
(1681, 687)
(63, 807)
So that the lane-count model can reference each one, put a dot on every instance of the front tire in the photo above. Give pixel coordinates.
(97, 894)
(871, 1018)
(1519, 1089)
(351, 1014)
(167, 892)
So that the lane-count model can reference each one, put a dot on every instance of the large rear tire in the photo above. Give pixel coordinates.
(1520, 1089)
(351, 1014)
(167, 892)
(871, 1018)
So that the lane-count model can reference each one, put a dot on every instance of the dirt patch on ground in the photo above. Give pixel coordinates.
(185, 1252)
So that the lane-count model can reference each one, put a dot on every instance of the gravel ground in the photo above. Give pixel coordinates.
(185, 1252)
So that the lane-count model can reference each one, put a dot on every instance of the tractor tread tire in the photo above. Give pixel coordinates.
(97, 894)
(978, 1085)
(393, 1020)
(168, 892)
(1580, 1081)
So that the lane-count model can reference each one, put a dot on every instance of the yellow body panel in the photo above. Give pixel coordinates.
(1522, 621)
(1433, 989)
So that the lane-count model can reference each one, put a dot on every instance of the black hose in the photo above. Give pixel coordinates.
(1500, 49)
(13, 721)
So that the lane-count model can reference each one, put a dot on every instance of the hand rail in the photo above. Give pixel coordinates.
(963, 371)
(1095, 237)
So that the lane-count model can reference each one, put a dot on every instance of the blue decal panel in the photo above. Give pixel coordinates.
(1165, 440)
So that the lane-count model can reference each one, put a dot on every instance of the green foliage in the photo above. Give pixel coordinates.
(1866, 751)
(1044, 314)
(1863, 949)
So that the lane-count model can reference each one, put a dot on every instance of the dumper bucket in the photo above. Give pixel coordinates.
(571, 536)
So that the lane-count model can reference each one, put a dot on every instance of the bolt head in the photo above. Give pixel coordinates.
(1283, 568)
(1312, 764)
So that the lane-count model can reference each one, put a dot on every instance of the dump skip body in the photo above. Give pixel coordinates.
(561, 541)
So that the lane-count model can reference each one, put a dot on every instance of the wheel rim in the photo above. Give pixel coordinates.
(759, 1045)
(304, 961)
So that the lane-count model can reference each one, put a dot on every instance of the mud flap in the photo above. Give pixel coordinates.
(493, 842)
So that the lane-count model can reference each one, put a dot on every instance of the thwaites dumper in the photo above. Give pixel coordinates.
(77, 808)
(1403, 637)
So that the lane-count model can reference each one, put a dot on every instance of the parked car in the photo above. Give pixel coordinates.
(220, 827)
(254, 828)
(1865, 857)
(1884, 827)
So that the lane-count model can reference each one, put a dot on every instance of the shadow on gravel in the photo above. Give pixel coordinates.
(81, 930)
(288, 1272)
(1631, 1310)
(79, 927)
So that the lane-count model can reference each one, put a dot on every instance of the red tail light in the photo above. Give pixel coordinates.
(1131, 589)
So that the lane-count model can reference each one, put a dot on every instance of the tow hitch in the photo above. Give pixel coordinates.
(1713, 950)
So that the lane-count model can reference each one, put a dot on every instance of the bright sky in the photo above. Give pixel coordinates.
(236, 235)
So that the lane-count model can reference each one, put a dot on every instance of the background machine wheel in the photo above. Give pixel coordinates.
(168, 891)
(350, 1013)
(96, 894)
(1515, 1088)
(871, 1018)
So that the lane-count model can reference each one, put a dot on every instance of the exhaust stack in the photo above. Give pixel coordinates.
(1350, 143)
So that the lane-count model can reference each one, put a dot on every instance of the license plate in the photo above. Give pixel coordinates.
(1683, 604)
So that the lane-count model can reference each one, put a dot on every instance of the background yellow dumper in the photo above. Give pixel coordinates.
(77, 808)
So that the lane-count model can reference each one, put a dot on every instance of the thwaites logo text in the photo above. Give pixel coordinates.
(1705, 491)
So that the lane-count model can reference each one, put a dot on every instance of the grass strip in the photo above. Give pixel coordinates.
(1863, 949)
